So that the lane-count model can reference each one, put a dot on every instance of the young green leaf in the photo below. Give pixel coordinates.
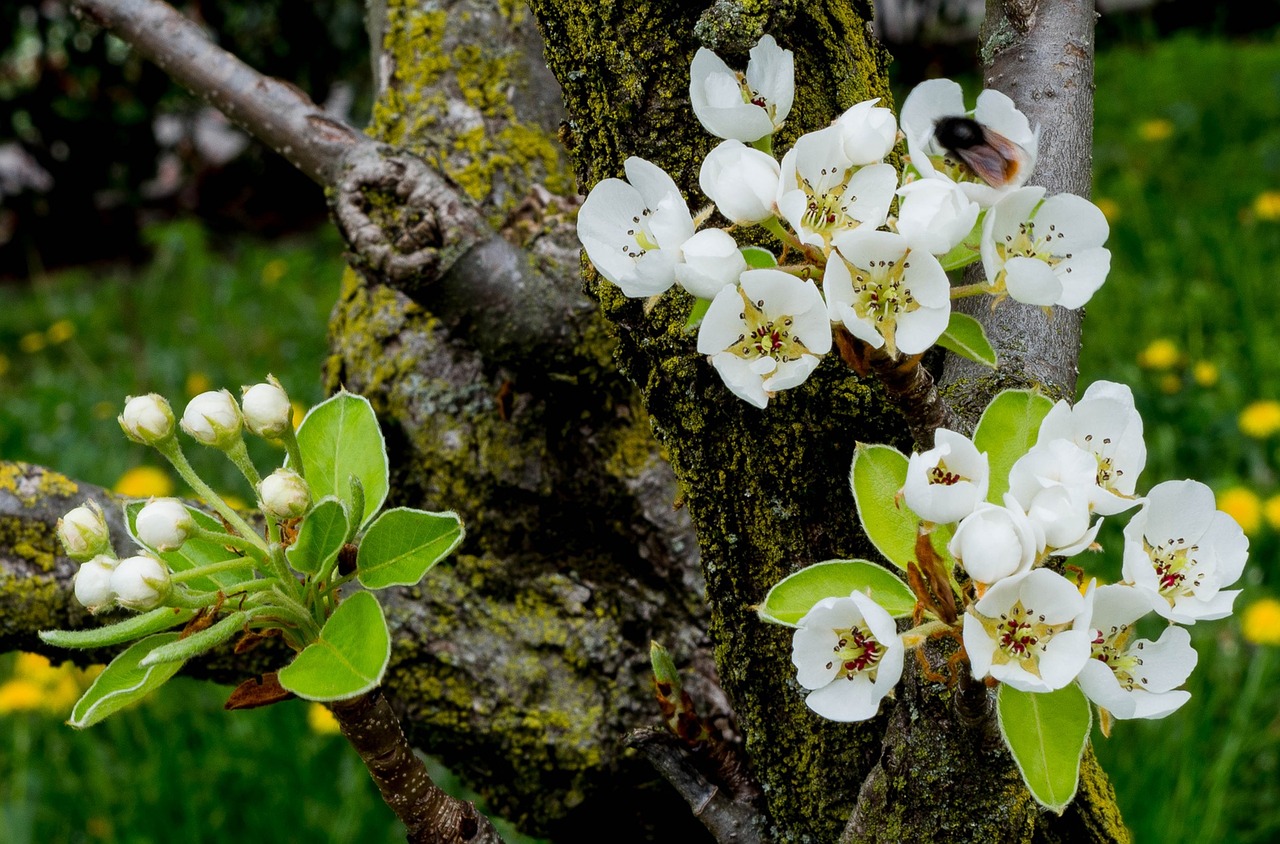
(133, 627)
(759, 258)
(965, 336)
(323, 532)
(123, 682)
(197, 551)
(1046, 734)
(1007, 430)
(402, 544)
(339, 438)
(876, 477)
(792, 598)
(348, 659)
(196, 643)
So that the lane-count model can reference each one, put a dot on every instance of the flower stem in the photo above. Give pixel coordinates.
(976, 289)
(202, 571)
(172, 452)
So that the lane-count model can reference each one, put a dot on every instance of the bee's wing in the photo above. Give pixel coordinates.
(998, 162)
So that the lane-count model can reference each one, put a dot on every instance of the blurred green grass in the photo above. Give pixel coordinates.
(1187, 152)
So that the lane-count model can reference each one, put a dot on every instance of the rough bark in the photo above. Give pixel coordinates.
(524, 661)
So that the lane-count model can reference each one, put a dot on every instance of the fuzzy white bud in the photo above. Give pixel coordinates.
(141, 583)
(83, 532)
(266, 408)
(93, 583)
(213, 419)
(164, 524)
(284, 494)
(147, 419)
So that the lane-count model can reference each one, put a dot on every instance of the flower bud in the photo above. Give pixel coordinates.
(284, 494)
(266, 407)
(164, 524)
(993, 543)
(83, 532)
(213, 419)
(147, 419)
(93, 583)
(141, 583)
(741, 181)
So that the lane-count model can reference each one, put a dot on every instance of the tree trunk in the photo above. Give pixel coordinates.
(523, 660)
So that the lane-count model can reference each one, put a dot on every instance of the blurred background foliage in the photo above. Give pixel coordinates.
(1187, 170)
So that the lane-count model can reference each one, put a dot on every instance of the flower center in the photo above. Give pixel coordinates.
(753, 97)
(1111, 649)
(642, 239)
(881, 294)
(1108, 475)
(856, 651)
(1175, 567)
(940, 474)
(1025, 243)
(766, 336)
(1021, 635)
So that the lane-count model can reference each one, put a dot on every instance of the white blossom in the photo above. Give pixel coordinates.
(140, 583)
(83, 532)
(848, 652)
(765, 335)
(1045, 253)
(1030, 631)
(743, 107)
(993, 542)
(164, 524)
(147, 419)
(632, 231)
(711, 261)
(935, 215)
(284, 494)
(1182, 552)
(1134, 678)
(266, 408)
(741, 181)
(886, 293)
(213, 418)
(92, 584)
(1106, 424)
(868, 132)
(947, 482)
(1056, 484)
(822, 193)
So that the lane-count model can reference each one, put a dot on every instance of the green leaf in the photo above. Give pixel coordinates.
(323, 532)
(792, 598)
(339, 438)
(348, 659)
(131, 628)
(1046, 734)
(1007, 430)
(966, 251)
(759, 258)
(877, 475)
(123, 682)
(197, 643)
(696, 313)
(403, 544)
(197, 551)
(966, 337)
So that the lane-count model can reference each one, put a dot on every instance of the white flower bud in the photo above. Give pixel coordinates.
(741, 181)
(83, 532)
(164, 524)
(93, 583)
(284, 494)
(213, 418)
(140, 583)
(266, 407)
(147, 419)
(993, 543)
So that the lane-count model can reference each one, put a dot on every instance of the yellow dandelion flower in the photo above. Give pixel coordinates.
(1266, 205)
(321, 720)
(273, 271)
(1260, 419)
(1261, 622)
(1109, 208)
(144, 482)
(299, 413)
(1161, 353)
(1205, 373)
(1271, 511)
(33, 666)
(1158, 129)
(1244, 506)
(61, 331)
(32, 343)
(1170, 384)
(197, 383)
(20, 696)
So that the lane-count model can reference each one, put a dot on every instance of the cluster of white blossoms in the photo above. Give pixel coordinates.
(865, 247)
(143, 581)
(1023, 623)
